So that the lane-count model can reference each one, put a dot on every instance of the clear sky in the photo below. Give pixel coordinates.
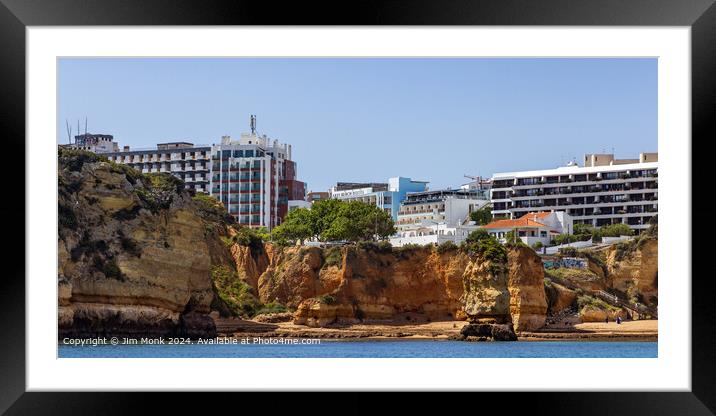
(370, 119)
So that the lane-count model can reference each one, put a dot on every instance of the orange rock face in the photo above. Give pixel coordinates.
(636, 272)
(528, 303)
(378, 285)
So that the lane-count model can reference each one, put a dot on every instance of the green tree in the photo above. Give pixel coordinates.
(357, 221)
(477, 236)
(482, 216)
(299, 225)
(616, 230)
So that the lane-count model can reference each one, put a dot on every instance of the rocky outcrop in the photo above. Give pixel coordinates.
(135, 255)
(486, 298)
(596, 314)
(560, 299)
(633, 269)
(367, 284)
(528, 302)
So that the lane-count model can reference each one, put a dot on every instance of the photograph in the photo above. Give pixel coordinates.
(357, 207)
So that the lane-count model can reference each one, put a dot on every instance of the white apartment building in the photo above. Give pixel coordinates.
(255, 178)
(605, 191)
(184, 160)
(437, 216)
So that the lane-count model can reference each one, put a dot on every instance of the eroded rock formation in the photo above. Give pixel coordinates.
(528, 303)
(135, 257)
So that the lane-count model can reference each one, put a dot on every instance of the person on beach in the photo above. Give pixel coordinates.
(619, 319)
(607, 320)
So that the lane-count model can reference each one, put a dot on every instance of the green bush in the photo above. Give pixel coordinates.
(326, 299)
(211, 209)
(271, 307)
(482, 216)
(568, 252)
(446, 247)
(332, 257)
(585, 301)
(538, 245)
(486, 247)
(235, 293)
(112, 270)
(158, 190)
(74, 159)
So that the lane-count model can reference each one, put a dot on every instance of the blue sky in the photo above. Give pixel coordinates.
(370, 119)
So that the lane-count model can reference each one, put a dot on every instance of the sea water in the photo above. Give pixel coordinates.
(373, 349)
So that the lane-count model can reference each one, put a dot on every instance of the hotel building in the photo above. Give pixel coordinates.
(451, 207)
(437, 216)
(184, 160)
(255, 178)
(602, 192)
(386, 196)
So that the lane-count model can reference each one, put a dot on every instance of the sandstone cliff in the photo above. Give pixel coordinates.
(368, 283)
(528, 302)
(135, 254)
(633, 269)
(365, 284)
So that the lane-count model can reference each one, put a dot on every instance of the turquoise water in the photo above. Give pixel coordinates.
(374, 349)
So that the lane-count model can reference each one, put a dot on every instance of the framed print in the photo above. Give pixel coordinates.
(400, 198)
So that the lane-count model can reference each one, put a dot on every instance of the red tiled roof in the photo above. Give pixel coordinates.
(527, 220)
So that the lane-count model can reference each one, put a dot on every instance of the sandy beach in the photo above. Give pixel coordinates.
(646, 330)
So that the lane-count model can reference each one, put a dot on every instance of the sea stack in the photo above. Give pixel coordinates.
(486, 301)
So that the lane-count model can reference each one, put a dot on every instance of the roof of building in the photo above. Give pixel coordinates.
(345, 186)
(527, 220)
(575, 170)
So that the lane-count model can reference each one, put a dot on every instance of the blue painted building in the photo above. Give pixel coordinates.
(387, 196)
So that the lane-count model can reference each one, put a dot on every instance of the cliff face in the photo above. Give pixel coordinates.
(350, 284)
(635, 271)
(135, 256)
(364, 284)
(528, 302)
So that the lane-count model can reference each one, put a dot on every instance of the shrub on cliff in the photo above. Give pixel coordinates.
(383, 246)
(485, 246)
(211, 209)
(74, 159)
(586, 301)
(236, 294)
(159, 190)
(446, 247)
(332, 256)
(326, 299)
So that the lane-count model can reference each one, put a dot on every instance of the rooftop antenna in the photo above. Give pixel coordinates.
(253, 124)
(85, 126)
(69, 131)
(78, 129)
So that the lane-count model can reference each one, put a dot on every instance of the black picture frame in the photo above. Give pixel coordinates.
(15, 15)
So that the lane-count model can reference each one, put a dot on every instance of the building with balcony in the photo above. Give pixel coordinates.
(605, 191)
(386, 196)
(451, 207)
(437, 216)
(255, 178)
(184, 160)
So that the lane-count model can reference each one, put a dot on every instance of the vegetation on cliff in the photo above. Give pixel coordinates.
(487, 248)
